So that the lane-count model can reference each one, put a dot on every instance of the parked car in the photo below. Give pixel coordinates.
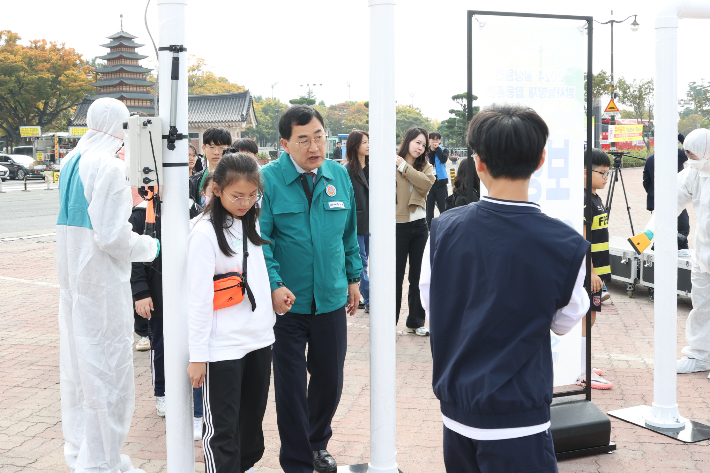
(4, 173)
(20, 166)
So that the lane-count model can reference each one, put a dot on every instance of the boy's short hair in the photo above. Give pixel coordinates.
(434, 135)
(246, 145)
(600, 158)
(509, 139)
(298, 115)
(217, 135)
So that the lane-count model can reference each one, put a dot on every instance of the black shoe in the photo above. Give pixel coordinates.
(324, 462)
(361, 305)
(367, 308)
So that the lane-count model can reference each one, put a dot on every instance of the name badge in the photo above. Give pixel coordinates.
(336, 205)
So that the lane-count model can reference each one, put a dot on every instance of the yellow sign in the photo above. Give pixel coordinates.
(40, 156)
(56, 177)
(625, 133)
(30, 131)
(77, 130)
(611, 107)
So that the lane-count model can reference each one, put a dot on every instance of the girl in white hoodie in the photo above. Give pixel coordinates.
(230, 347)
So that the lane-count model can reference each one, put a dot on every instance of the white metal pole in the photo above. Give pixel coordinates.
(175, 228)
(664, 410)
(383, 419)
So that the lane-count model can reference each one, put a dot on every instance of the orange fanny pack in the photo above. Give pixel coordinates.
(228, 290)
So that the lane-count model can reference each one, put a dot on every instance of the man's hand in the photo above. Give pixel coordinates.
(282, 299)
(596, 282)
(196, 372)
(400, 160)
(144, 307)
(353, 298)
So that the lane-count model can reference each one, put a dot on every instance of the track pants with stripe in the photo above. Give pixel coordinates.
(234, 399)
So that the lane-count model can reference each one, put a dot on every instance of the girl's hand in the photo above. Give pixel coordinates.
(144, 307)
(400, 160)
(196, 372)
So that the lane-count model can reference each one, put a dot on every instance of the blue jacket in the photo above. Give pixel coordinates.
(438, 158)
(498, 275)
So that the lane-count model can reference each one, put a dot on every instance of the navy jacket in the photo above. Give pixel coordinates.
(498, 275)
(648, 173)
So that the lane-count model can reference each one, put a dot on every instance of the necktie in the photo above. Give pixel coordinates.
(312, 179)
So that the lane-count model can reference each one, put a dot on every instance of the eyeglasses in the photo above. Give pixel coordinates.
(220, 147)
(306, 143)
(605, 174)
(253, 199)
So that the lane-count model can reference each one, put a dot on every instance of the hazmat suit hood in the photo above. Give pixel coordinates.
(698, 143)
(104, 119)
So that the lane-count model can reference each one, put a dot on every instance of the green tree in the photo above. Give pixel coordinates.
(601, 86)
(302, 101)
(453, 129)
(408, 117)
(699, 96)
(268, 112)
(40, 84)
(639, 96)
(202, 81)
(692, 122)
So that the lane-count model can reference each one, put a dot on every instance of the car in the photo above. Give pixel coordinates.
(20, 166)
(4, 173)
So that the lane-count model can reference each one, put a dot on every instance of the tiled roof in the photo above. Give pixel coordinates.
(123, 54)
(122, 34)
(79, 117)
(108, 82)
(108, 69)
(219, 109)
(127, 95)
(125, 42)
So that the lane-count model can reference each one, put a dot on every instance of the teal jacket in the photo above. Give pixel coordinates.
(315, 252)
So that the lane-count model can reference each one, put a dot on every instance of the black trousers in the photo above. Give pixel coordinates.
(437, 195)
(234, 399)
(157, 354)
(411, 240)
(140, 325)
(305, 409)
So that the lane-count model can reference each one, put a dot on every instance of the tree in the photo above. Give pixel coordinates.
(699, 96)
(268, 112)
(453, 129)
(601, 86)
(408, 117)
(40, 84)
(639, 96)
(202, 81)
(302, 101)
(691, 122)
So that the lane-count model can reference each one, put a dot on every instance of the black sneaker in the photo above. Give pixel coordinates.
(367, 308)
(324, 462)
(361, 305)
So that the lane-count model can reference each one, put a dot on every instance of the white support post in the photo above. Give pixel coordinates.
(383, 418)
(664, 410)
(175, 228)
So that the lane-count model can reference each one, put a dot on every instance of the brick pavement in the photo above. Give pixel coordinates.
(30, 427)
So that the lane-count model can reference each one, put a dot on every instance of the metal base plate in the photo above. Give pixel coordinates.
(586, 451)
(361, 468)
(693, 431)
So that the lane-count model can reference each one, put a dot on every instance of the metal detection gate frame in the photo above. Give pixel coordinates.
(473, 183)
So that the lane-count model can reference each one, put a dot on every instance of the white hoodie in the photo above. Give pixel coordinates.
(232, 332)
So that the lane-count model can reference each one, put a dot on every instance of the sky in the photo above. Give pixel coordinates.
(292, 44)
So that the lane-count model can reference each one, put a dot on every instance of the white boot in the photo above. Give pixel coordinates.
(126, 463)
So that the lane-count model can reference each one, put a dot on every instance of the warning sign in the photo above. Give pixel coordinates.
(611, 107)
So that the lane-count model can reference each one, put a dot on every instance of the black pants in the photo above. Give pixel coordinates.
(684, 228)
(533, 453)
(140, 325)
(437, 195)
(411, 240)
(157, 354)
(235, 394)
(304, 409)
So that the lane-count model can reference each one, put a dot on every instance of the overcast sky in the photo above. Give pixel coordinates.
(259, 43)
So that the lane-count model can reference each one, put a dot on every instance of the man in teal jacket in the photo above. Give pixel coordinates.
(309, 214)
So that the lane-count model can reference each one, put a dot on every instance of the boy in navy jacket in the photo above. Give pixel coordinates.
(497, 275)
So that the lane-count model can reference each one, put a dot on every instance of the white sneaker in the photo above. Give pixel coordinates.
(605, 296)
(250, 470)
(691, 365)
(197, 428)
(160, 406)
(143, 344)
(421, 331)
(125, 463)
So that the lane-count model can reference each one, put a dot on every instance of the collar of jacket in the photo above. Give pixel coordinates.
(290, 174)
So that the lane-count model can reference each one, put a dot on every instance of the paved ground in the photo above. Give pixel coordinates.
(30, 427)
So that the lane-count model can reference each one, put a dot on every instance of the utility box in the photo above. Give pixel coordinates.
(144, 151)
(685, 266)
(624, 263)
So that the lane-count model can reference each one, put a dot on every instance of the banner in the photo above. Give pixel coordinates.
(30, 131)
(541, 63)
(79, 131)
(625, 133)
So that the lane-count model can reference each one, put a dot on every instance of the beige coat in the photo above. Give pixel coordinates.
(422, 181)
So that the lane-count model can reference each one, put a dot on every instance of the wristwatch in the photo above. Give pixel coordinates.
(353, 280)
(280, 284)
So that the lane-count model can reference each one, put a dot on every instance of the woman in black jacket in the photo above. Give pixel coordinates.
(357, 151)
(459, 196)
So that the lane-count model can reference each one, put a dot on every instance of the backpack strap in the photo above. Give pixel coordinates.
(245, 252)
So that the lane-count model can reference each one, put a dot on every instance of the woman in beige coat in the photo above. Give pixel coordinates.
(415, 177)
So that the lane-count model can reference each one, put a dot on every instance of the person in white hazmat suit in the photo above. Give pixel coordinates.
(694, 187)
(95, 248)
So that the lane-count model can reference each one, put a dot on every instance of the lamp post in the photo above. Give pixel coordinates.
(634, 27)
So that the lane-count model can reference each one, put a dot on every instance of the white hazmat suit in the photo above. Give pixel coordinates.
(694, 187)
(95, 248)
